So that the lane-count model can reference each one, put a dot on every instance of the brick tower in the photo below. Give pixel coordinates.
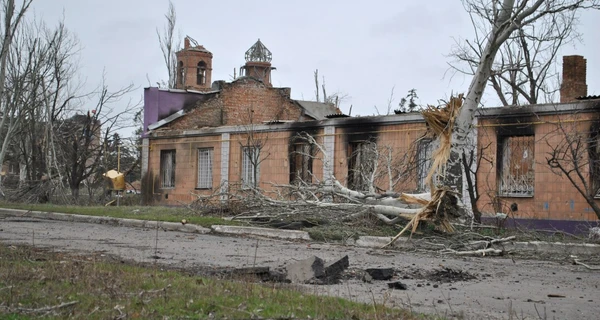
(573, 78)
(258, 63)
(194, 67)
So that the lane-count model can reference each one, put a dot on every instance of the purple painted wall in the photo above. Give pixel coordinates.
(159, 104)
(571, 226)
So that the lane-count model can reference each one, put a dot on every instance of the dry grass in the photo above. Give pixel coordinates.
(40, 284)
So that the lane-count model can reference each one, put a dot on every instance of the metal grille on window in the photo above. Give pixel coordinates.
(167, 168)
(517, 174)
(205, 164)
(362, 165)
(424, 155)
(250, 166)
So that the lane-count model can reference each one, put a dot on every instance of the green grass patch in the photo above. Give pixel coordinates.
(35, 282)
(153, 213)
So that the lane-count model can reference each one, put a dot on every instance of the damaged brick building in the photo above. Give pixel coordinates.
(202, 137)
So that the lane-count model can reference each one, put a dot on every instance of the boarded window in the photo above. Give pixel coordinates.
(250, 167)
(361, 165)
(301, 163)
(167, 168)
(517, 175)
(205, 167)
(424, 155)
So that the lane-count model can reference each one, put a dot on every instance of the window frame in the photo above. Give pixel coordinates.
(359, 154)
(503, 164)
(201, 73)
(171, 174)
(250, 171)
(301, 162)
(205, 170)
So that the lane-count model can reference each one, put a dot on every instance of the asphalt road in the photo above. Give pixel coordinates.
(501, 286)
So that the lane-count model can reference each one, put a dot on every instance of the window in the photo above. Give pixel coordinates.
(250, 167)
(167, 168)
(180, 72)
(424, 155)
(201, 73)
(516, 177)
(361, 165)
(301, 163)
(205, 165)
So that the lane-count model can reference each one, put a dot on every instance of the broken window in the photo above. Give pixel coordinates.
(250, 167)
(201, 73)
(424, 155)
(361, 165)
(167, 168)
(180, 72)
(301, 163)
(205, 166)
(517, 175)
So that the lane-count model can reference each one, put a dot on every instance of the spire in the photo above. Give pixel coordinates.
(258, 53)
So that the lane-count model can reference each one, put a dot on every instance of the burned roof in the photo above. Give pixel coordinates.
(317, 110)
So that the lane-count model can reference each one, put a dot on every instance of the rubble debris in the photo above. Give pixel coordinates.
(313, 270)
(305, 270)
(367, 278)
(447, 274)
(334, 270)
(397, 285)
(380, 273)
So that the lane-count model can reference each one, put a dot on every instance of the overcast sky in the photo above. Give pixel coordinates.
(363, 48)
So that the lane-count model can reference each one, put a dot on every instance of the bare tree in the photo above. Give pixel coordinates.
(82, 136)
(254, 152)
(503, 18)
(524, 70)
(334, 99)
(168, 44)
(9, 121)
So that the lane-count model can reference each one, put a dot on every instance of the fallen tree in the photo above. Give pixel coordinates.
(337, 201)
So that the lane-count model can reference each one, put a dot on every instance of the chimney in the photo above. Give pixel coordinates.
(186, 43)
(573, 78)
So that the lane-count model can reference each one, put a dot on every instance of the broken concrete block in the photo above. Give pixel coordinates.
(397, 285)
(334, 270)
(367, 278)
(380, 273)
(305, 270)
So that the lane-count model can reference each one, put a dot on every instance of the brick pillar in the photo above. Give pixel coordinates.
(573, 78)
(225, 138)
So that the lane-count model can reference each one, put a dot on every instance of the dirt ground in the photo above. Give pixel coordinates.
(463, 288)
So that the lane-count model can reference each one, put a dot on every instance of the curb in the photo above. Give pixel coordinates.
(532, 246)
(265, 232)
(132, 223)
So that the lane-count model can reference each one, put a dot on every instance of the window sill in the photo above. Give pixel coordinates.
(515, 195)
(203, 188)
(167, 188)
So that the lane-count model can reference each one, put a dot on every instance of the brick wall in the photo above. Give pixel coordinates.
(248, 100)
(554, 195)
